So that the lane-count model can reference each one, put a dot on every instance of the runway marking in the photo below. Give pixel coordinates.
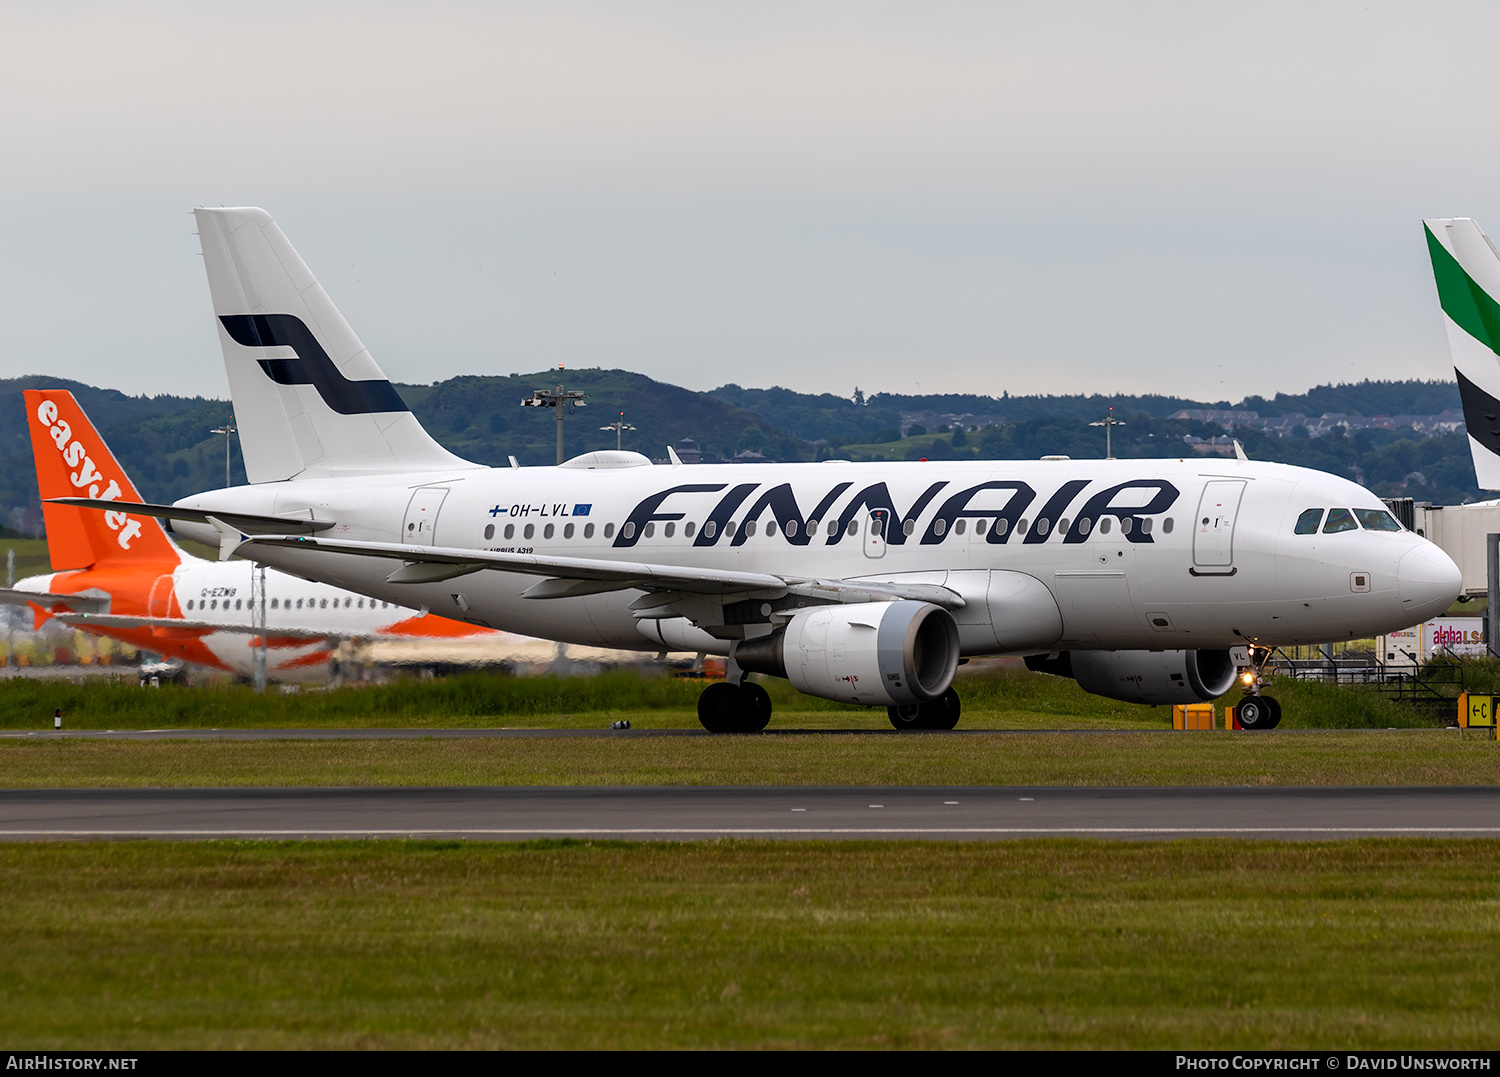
(738, 831)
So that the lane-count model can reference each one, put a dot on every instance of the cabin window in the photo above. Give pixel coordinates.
(275, 603)
(729, 528)
(190, 604)
(791, 529)
(877, 526)
(1105, 523)
(548, 531)
(649, 531)
(981, 526)
(1021, 526)
(1126, 525)
(299, 603)
(215, 604)
(360, 604)
(567, 531)
(833, 528)
(1062, 526)
(510, 531)
(528, 530)
(812, 528)
(489, 532)
(1085, 525)
(959, 526)
(1145, 525)
(323, 605)
(688, 528)
(908, 527)
(1166, 526)
(588, 531)
(628, 530)
(1043, 526)
(1307, 523)
(1376, 520)
(750, 528)
(711, 529)
(853, 527)
(236, 603)
(1339, 520)
(609, 530)
(1002, 525)
(939, 527)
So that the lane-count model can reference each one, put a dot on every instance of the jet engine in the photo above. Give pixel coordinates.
(879, 654)
(1144, 676)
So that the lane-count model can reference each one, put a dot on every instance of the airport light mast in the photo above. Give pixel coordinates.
(619, 426)
(228, 430)
(1109, 422)
(559, 399)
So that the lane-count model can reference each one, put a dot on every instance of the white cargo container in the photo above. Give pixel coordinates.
(1461, 636)
(1460, 530)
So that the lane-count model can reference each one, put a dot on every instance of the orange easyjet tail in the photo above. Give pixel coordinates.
(73, 461)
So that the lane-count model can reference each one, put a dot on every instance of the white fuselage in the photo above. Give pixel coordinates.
(1210, 559)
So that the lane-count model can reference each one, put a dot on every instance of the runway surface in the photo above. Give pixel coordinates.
(689, 813)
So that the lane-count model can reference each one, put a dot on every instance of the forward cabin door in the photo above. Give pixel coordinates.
(1213, 530)
(420, 527)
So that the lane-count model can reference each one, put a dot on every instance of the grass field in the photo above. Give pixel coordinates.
(1435, 757)
(1041, 944)
(992, 700)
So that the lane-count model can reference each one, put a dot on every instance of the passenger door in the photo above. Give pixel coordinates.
(1213, 530)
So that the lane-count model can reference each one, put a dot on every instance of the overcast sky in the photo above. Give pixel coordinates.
(1202, 199)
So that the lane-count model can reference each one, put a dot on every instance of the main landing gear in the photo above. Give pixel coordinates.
(734, 708)
(940, 713)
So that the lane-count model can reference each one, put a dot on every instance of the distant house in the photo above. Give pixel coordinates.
(689, 452)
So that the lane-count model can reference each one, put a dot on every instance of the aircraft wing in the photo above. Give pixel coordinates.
(75, 603)
(115, 620)
(567, 577)
(248, 523)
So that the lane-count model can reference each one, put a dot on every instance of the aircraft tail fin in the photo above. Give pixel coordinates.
(72, 460)
(308, 397)
(1467, 269)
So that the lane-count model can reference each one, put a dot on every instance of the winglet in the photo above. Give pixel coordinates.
(1239, 450)
(672, 456)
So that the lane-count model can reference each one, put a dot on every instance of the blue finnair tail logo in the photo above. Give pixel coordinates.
(312, 366)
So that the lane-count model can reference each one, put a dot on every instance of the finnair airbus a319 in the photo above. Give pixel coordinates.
(1152, 581)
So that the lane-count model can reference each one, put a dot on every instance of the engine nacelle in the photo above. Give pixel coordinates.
(1144, 676)
(879, 654)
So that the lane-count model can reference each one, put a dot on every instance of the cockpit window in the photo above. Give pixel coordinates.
(1307, 523)
(1377, 520)
(1339, 520)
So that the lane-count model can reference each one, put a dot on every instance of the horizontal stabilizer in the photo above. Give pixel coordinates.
(76, 603)
(246, 522)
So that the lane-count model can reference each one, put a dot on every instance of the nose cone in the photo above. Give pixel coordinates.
(1428, 580)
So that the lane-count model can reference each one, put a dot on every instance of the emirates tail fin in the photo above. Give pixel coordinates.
(72, 460)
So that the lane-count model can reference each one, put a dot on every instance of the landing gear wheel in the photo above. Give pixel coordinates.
(940, 713)
(731, 708)
(1259, 712)
(760, 706)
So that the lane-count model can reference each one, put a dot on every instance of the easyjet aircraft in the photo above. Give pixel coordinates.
(1154, 581)
(118, 574)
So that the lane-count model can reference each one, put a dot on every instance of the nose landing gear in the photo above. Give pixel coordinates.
(1255, 710)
